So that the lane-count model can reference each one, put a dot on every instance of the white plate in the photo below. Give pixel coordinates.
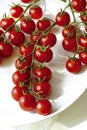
(67, 87)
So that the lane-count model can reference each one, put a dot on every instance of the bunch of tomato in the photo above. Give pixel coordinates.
(28, 29)
(74, 38)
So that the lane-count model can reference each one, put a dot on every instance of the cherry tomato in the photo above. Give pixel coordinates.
(6, 23)
(82, 41)
(62, 18)
(78, 5)
(26, 1)
(27, 26)
(42, 73)
(17, 38)
(35, 12)
(34, 36)
(16, 93)
(69, 44)
(83, 57)
(43, 24)
(27, 102)
(6, 50)
(16, 11)
(73, 65)
(43, 54)
(18, 77)
(69, 31)
(48, 40)
(83, 15)
(43, 107)
(43, 89)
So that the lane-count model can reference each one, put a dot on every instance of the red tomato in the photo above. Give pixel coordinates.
(19, 77)
(6, 50)
(34, 36)
(6, 23)
(78, 5)
(43, 24)
(27, 26)
(83, 57)
(16, 11)
(26, 50)
(62, 18)
(82, 41)
(43, 107)
(73, 65)
(27, 102)
(42, 73)
(43, 54)
(83, 15)
(43, 89)
(17, 92)
(35, 12)
(26, 1)
(17, 38)
(69, 31)
(48, 40)
(69, 44)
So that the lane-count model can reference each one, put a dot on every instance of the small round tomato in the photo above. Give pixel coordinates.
(35, 12)
(83, 15)
(43, 89)
(27, 102)
(6, 50)
(43, 107)
(83, 57)
(26, 1)
(16, 11)
(27, 25)
(78, 5)
(16, 93)
(6, 23)
(69, 44)
(73, 65)
(34, 36)
(82, 41)
(62, 18)
(18, 77)
(17, 38)
(43, 24)
(69, 31)
(43, 54)
(42, 73)
(49, 40)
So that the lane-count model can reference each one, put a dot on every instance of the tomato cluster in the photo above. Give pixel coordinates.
(74, 38)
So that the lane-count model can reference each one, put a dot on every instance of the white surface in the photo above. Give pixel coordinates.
(66, 87)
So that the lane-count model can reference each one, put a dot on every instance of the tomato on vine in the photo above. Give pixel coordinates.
(82, 40)
(83, 57)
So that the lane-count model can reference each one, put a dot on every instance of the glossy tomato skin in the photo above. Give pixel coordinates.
(83, 15)
(26, 1)
(43, 24)
(69, 31)
(49, 40)
(5, 23)
(16, 38)
(36, 12)
(82, 41)
(73, 65)
(16, 93)
(6, 50)
(69, 44)
(18, 77)
(35, 36)
(62, 18)
(27, 102)
(43, 55)
(42, 73)
(44, 89)
(78, 5)
(43, 107)
(16, 11)
(27, 26)
(83, 57)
